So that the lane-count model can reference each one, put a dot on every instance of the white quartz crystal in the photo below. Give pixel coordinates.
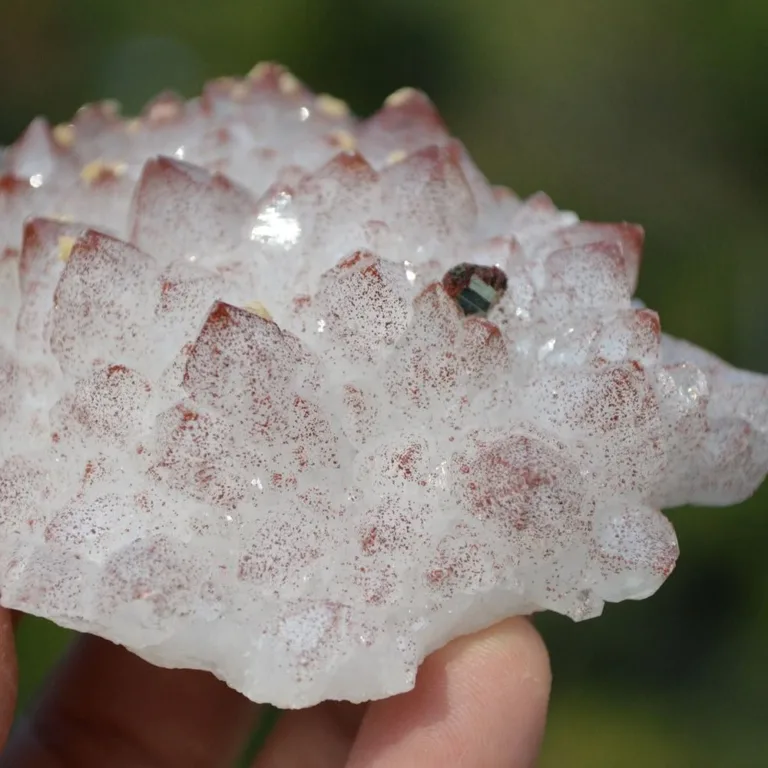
(245, 427)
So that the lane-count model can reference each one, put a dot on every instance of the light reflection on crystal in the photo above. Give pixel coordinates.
(546, 348)
(274, 227)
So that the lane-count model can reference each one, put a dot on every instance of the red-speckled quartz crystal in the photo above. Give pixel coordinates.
(246, 425)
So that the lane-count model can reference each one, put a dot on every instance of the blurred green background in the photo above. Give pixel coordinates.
(654, 111)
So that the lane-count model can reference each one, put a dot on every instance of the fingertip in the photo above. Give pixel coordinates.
(513, 646)
(106, 706)
(8, 675)
(481, 700)
(502, 676)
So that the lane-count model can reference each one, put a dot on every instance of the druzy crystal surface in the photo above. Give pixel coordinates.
(248, 425)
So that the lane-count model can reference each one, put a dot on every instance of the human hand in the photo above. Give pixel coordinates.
(480, 702)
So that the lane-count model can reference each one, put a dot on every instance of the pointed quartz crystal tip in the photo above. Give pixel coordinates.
(167, 107)
(298, 398)
(35, 155)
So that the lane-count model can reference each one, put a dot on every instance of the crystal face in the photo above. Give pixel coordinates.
(253, 421)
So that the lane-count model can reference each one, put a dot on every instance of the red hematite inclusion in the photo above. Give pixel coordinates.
(297, 398)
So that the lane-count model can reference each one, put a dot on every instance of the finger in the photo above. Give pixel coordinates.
(479, 702)
(319, 737)
(8, 674)
(106, 706)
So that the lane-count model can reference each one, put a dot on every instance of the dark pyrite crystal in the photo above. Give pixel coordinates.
(475, 288)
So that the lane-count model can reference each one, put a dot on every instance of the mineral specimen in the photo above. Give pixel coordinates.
(254, 421)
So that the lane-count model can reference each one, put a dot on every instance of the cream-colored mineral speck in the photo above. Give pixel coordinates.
(164, 110)
(288, 84)
(91, 171)
(64, 218)
(330, 106)
(227, 82)
(239, 91)
(111, 107)
(133, 126)
(64, 135)
(66, 244)
(400, 97)
(344, 140)
(396, 156)
(260, 69)
(257, 308)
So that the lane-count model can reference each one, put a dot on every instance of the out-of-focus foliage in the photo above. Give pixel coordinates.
(655, 112)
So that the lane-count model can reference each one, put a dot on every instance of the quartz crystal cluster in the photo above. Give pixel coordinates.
(297, 398)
